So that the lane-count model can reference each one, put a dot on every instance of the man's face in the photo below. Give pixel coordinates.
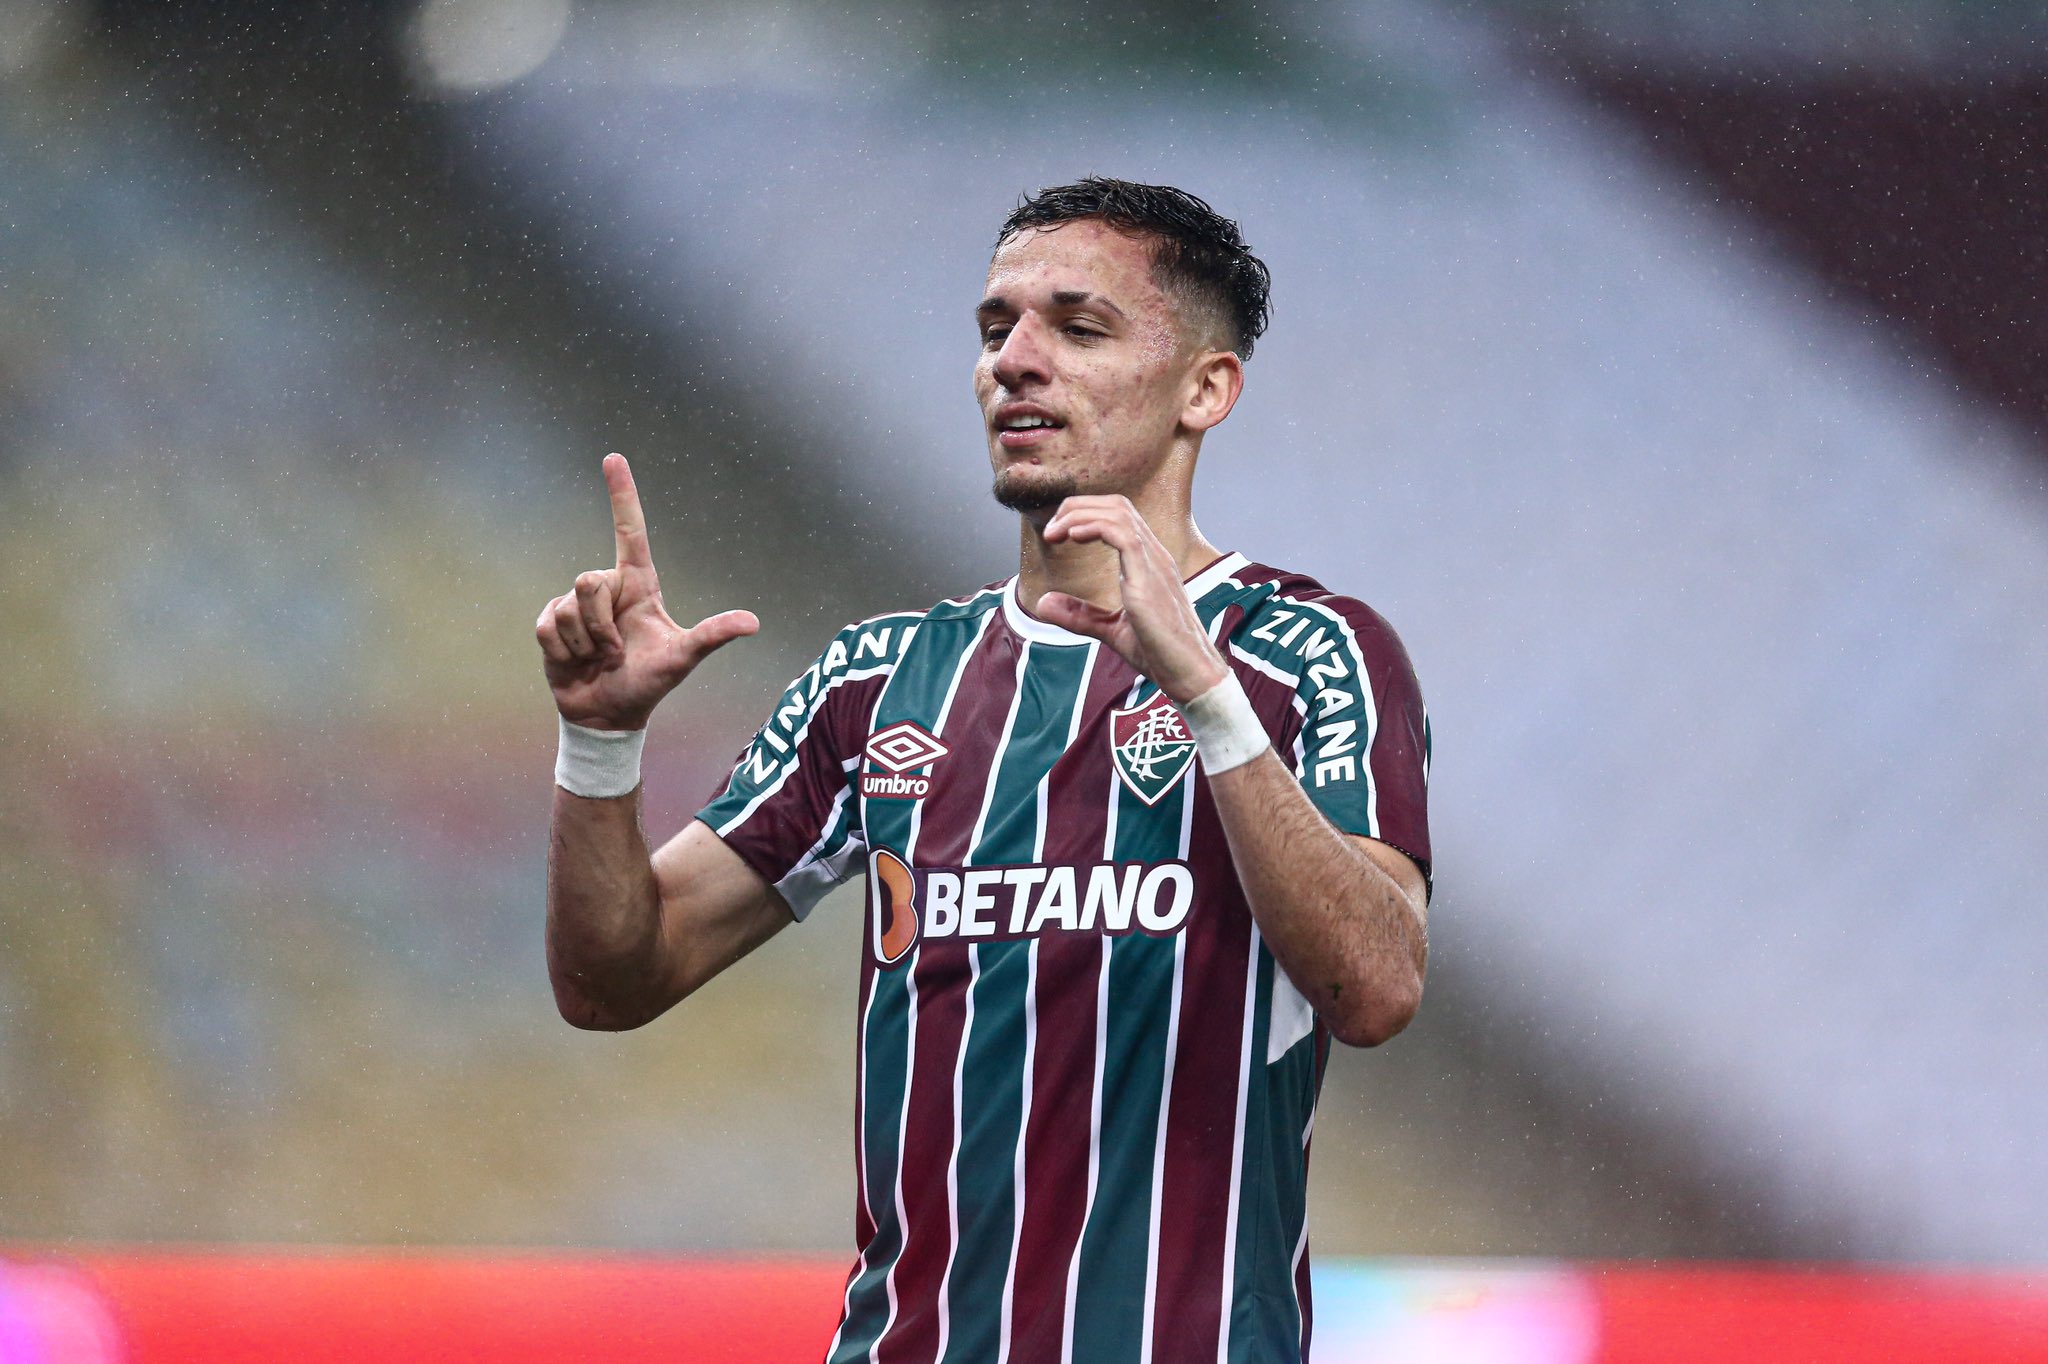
(1082, 372)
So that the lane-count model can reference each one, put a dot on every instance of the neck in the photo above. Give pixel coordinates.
(1090, 571)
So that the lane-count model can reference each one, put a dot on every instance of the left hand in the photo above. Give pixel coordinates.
(1156, 630)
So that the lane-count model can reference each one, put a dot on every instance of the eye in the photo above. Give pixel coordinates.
(1084, 332)
(994, 336)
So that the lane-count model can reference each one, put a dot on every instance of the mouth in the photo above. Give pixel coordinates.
(1023, 428)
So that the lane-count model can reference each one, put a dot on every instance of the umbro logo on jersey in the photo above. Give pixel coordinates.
(1152, 748)
(901, 750)
(1000, 904)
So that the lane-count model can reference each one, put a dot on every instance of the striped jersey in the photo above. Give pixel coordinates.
(1085, 1090)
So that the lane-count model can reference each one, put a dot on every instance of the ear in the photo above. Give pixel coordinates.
(1215, 378)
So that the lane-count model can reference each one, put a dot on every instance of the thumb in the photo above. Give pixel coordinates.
(1082, 617)
(697, 643)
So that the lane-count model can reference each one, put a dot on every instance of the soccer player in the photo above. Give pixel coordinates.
(1143, 828)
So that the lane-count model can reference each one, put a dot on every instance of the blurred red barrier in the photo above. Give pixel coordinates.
(339, 1308)
(1816, 1316)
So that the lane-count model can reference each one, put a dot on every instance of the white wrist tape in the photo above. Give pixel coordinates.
(598, 763)
(1227, 732)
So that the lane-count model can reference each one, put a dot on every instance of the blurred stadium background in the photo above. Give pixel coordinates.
(1674, 377)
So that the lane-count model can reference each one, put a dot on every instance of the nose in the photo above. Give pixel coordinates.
(1023, 358)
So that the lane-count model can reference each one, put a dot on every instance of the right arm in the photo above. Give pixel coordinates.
(628, 933)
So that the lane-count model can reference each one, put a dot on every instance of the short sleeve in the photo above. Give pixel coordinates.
(1365, 740)
(788, 808)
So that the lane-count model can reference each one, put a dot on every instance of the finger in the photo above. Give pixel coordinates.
(1093, 505)
(712, 632)
(1080, 526)
(1124, 534)
(596, 592)
(569, 625)
(629, 523)
(551, 646)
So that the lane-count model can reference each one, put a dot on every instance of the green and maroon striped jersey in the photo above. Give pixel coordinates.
(1085, 1089)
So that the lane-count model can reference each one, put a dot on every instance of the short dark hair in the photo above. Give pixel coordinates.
(1200, 255)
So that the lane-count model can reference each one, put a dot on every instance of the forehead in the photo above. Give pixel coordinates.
(1084, 256)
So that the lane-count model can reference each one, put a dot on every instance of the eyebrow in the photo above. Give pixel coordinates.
(1063, 298)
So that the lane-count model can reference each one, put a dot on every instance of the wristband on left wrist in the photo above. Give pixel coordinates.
(1226, 729)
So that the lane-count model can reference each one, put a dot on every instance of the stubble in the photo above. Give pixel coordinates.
(1021, 493)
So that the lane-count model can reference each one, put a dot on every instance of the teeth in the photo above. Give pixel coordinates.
(1025, 423)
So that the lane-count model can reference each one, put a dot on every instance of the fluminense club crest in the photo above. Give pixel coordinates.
(1151, 746)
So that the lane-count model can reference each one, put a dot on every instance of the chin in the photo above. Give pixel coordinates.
(1018, 489)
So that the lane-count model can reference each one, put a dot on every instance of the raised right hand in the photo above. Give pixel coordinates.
(609, 647)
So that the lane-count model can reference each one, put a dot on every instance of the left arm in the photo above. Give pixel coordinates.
(1345, 916)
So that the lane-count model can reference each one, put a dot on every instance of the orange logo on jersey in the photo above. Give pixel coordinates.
(892, 891)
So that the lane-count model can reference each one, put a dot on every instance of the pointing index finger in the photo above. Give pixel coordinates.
(629, 525)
